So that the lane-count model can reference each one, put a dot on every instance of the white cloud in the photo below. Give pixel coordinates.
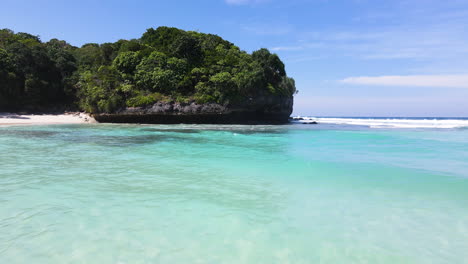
(432, 35)
(438, 41)
(448, 80)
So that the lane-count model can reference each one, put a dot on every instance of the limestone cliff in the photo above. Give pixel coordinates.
(267, 109)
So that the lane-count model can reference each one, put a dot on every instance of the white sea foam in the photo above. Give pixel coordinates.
(388, 123)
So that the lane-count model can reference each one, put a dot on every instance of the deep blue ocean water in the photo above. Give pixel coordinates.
(339, 192)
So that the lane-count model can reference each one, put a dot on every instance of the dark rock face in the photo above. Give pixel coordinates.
(310, 123)
(260, 110)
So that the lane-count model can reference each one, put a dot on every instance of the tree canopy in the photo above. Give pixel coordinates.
(164, 64)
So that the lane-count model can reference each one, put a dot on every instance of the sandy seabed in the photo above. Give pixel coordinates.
(45, 119)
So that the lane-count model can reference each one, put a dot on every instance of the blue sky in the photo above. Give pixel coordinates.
(348, 57)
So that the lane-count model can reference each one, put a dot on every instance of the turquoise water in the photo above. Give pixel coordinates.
(232, 194)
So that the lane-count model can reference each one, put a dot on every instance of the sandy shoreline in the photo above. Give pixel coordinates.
(45, 119)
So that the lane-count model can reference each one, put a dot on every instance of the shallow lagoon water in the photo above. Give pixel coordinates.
(233, 194)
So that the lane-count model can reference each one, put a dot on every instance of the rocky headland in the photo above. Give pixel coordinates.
(262, 110)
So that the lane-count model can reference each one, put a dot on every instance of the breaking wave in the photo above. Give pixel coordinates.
(388, 122)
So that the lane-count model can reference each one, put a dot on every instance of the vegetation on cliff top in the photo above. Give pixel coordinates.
(164, 64)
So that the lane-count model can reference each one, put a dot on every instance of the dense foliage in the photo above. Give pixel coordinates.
(164, 64)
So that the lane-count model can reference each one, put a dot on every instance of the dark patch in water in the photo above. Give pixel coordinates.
(125, 141)
(259, 132)
(237, 131)
(29, 133)
(182, 131)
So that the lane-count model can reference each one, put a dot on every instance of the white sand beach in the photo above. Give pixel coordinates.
(45, 119)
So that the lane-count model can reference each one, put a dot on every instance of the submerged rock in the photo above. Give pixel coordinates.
(297, 118)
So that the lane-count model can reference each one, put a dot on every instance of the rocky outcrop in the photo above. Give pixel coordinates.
(260, 110)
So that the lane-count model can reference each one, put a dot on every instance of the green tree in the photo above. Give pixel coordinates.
(89, 56)
(126, 62)
(165, 63)
(187, 47)
(273, 67)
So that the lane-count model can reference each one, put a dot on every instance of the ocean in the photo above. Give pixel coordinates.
(347, 190)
